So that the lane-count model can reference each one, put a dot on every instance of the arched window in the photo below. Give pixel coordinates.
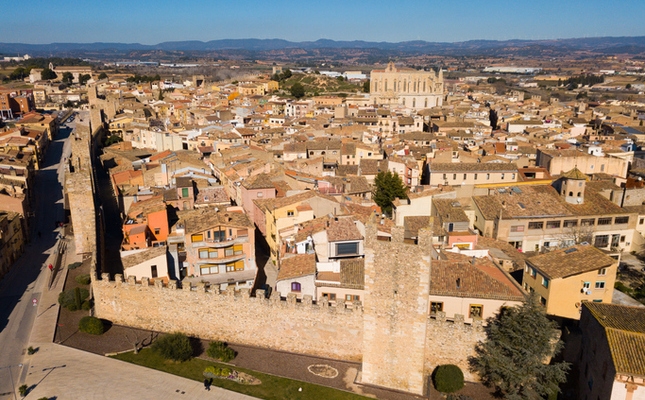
(386, 85)
(571, 194)
(394, 85)
(295, 287)
(415, 86)
(579, 194)
(405, 85)
(425, 104)
(424, 86)
(414, 103)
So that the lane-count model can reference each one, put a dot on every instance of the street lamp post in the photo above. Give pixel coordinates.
(13, 385)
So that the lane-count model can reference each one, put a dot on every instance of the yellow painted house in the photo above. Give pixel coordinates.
(279, 213)
(565, 278)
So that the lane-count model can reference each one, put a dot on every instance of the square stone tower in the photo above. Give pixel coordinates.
(395, 310)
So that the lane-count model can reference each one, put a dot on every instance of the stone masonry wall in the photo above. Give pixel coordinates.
(452, 343)
(79, 190)
(334, 332)
(397, 279)
(321, 330)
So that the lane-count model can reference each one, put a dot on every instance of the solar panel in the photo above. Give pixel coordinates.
(516, 189)
(571, 250)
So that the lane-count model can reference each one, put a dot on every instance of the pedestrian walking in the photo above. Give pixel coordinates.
(207, 384)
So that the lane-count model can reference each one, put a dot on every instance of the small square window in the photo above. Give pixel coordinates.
(476, 311)
(600, 285)
(602, 271)
(290, 213)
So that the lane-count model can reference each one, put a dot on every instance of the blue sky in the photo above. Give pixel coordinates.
(155, 21)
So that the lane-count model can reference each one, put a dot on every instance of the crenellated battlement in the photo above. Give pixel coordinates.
(240, 295)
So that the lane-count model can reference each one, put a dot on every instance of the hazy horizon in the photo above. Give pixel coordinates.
(151, 22)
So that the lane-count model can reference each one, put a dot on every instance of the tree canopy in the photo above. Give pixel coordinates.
(387, 187)
(142, 78)
(297, 90)
(102, 75)
(68, 77)
(84, 78)
(281, 76)
(366, 86)
(511, 359)
(48, 74)
(19, 73)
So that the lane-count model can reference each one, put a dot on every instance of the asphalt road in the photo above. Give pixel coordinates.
(29, 276)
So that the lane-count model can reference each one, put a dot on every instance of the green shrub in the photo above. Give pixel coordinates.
(83, 279)
(22, 390)
(448, 378)
(87, 305)
(74, 265)
(67, 299)
(31, 350)
(215, 372)
(174, 346)
(220, 351)
(91, 325)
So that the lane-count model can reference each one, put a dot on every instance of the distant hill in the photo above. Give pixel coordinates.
(267, 48)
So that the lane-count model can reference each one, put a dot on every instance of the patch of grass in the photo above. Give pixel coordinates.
(272, 387)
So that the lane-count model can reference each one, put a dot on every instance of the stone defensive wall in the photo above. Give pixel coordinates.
(452, 342)
(205, 312)
(323, 329)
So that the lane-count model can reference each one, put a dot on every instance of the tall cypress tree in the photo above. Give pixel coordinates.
(387, 187)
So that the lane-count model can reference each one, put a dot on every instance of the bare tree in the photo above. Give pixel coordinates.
(572, 235)
(138, 339)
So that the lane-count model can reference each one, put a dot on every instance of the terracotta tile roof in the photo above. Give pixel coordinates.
(481, 280)
(343, 229)
(352, 273)
(208, 195)
(142, 256)
(310, 227)
(372, 167)
(570, 261)
(412, 224)
(271, 204)
(146, 207)
(297, 266)
(625, 329)
(259, 181)
(450, 210)
(345, 170)
(199, 220)
(575, 173)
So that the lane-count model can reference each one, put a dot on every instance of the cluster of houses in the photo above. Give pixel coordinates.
(237, 186)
